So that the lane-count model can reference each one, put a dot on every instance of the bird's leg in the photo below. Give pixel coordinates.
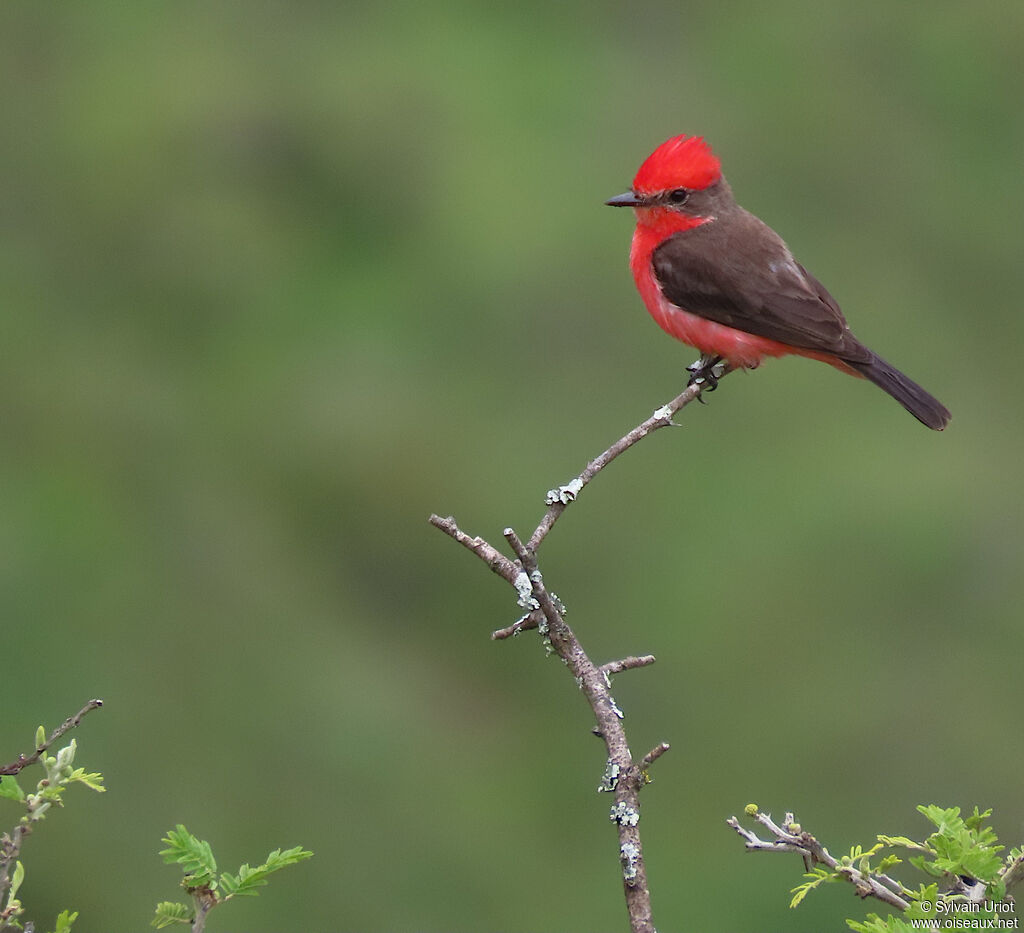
(703, 371)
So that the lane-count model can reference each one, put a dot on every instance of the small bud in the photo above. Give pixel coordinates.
(750, 809)
(66, 756)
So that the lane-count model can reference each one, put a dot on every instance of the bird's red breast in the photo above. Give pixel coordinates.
(655, 225)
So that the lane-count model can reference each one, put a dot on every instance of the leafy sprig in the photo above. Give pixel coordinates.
(59, 774)
(957, 847)
(208, 889)
(961, 859)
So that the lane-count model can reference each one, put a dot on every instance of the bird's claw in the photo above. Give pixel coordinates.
(703, 372)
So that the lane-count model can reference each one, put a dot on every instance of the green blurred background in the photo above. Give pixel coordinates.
(280, 279)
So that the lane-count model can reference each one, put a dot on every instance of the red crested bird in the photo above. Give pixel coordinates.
(719, 279)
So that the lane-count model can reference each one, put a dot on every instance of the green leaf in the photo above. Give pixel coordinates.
(168, 913)
(817, 876)
(975, 820)
(980, 863)
(16, 879)
(64, 920)
(248, 879)
(91, 779)
(800, 892)
(193, 855)
(961, 847)
(903, 842)
(924, 894)
(888, 861)
(941, 816)
(10, 788)
(920, 862)
(51, 791)
(875, 924)
(278, 859)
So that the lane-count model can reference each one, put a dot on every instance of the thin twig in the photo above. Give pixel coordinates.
(558, 499)
(1013, 872)
(523, 624)
(23, 761)
(494, 559)
(790, 838)
(626, 664)
(653, 755)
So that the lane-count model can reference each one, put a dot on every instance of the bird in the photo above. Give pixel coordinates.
(722, 281)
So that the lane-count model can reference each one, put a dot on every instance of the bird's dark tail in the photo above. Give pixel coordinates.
(926, 408)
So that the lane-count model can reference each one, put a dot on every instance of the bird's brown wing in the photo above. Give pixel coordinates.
(738, 271)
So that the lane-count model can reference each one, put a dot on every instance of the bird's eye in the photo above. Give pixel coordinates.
(678, 196)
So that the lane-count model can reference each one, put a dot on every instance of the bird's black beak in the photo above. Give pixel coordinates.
(629, 199)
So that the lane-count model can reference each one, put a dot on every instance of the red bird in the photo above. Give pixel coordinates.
(717, 278)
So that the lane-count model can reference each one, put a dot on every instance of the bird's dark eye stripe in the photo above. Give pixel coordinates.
(678, 196)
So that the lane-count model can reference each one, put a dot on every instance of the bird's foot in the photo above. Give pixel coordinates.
(703, 373)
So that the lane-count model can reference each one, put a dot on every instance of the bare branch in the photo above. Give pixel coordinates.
(558, 499)
(753, 842)
(653, 755)
(1013, 872)
(497, 561)
(791, 838)
(623, 777)
(626, 664)
(529, 621)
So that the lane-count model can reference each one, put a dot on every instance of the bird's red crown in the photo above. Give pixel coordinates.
(679, 162)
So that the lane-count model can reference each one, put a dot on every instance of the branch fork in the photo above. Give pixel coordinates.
(623, 777)
(790, 837)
